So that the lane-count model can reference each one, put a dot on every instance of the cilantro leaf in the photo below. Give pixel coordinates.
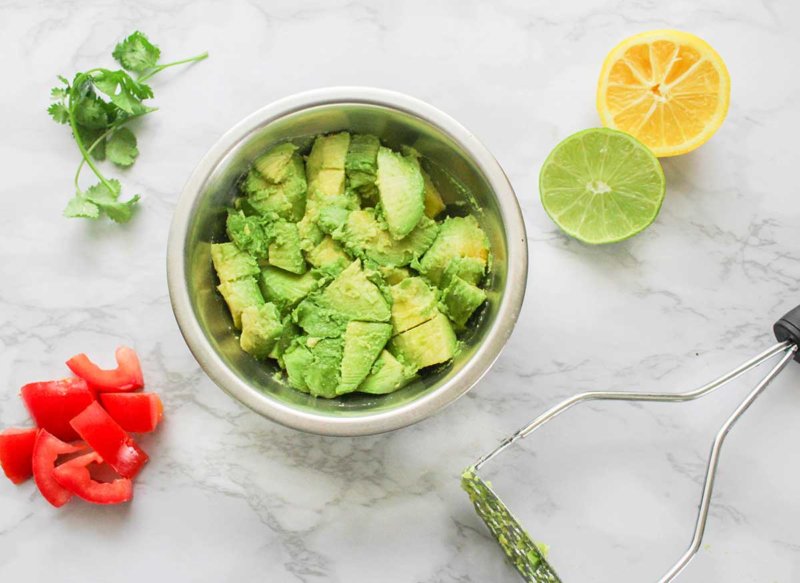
(107, 201)
(91, 112)
(136, 53)
(121, 147)
(89, 136)
(80, 207)
(59, 112)
(58, 93)
(123, 90)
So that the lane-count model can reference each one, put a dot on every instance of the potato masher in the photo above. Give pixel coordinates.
(515, 541)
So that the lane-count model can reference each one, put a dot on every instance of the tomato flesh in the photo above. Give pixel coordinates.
(46, 450)
(53, 404)
(135, 412)
(126, 377)
(16, 453)
(112, 442)
(74, 476)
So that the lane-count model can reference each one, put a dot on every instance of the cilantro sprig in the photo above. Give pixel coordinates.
(96, 105)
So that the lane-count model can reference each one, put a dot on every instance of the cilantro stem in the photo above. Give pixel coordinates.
(160, 68)
(104, 135)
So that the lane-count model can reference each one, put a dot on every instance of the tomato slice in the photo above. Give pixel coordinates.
(112, 442)
(74, 476)
(135, 412)
(46, 450)
(53, 404)
(16, 453)
(126, 377)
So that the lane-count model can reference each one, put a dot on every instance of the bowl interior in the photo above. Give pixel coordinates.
(463, 186)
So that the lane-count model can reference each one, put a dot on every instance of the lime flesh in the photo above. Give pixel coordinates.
(602, 186)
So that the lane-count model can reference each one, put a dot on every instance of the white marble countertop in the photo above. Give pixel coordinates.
(230, 496)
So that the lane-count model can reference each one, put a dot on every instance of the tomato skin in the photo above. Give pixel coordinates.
(16, 453)
(126, 377)
(112, 442)
(53, 404)
(135, 412)
(46, 450)
(74, 476)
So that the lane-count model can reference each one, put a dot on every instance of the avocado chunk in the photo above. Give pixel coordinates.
(294, 189)
(461, 299)
(356, 297)
(364, 235)
(363, 342)
(401, 190)
(240, 294)
(298, 359)
(289, 332)
(285, 289)
(470, 269)
(274, 164)
(433, 342)
(325, 167)
(323, 375)
(248, 233)
(413, 303)
(387, 375)
(361, 166)
(328, 255)
(261, 329)
(280, 192)
(434, 205)
(285, 251)
(231, 263)
(318, 319)
(458, 237)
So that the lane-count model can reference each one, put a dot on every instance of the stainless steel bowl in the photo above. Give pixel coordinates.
(456, 156)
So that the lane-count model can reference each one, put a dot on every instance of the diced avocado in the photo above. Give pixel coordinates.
(361, 166)
(387, 375)
(461, 299)
(364, 234)
(298, 359)
(285, 251)
(355, 296)
(310, 234)
(433, 342)
(247, 232)
(332, 218)
(231, 263)
(261, 329)
(323, 374)
(329, 255)
(318, 319)
(254, 183)
(433, 200)
(413, 302)
(470, 269)
(325, 165)
(273, 165)
(363, 342)
(289, 332)
(240, 294)
(286, 289)
(294, 188)
(458, 237)
(270, 202)
(401, 189)
(393, 275)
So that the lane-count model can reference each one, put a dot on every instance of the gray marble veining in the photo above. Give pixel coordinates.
(229, 496)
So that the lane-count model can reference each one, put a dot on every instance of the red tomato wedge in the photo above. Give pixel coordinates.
(53, 404)
(74, 476)
(46, 450)
(135, 412)
(16, 453)
(112, 442)
(126, 377)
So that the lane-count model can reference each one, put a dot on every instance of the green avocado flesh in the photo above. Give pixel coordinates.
(337, 269)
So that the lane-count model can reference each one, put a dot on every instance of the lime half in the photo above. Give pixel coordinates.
(602, 186)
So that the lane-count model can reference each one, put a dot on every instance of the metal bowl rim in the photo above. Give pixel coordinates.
(472, 371)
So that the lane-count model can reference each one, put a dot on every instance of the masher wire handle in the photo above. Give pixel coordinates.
(713, 462)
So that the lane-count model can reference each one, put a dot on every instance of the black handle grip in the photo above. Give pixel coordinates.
(788, 328)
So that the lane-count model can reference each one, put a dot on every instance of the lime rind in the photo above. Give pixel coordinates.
(602, 186)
